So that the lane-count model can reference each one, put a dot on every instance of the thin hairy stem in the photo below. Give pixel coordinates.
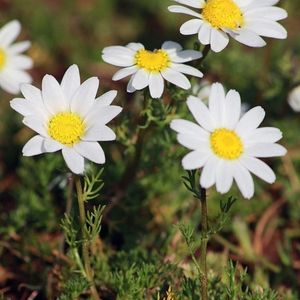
(85, 242)
(203, 246)
(70, 186)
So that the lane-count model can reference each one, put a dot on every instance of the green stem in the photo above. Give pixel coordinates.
(203, 247)
(205, 52)
(85, 243)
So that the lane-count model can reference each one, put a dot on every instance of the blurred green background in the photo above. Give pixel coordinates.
(262, 234)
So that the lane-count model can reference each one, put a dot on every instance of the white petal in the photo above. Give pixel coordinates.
(22, 62)
(34, 146)
(52, 146)
(184, 10)
(195, 160)
(53, 96)
(219, 40)
(266, 28)
(22, 106)
(34, 97)
(188, 127)
(250, 121)
(185, 56)
(243, 3)
(135, 46)
(74, 161)
(192, 142)
(264, 135)
(191, 27)
(217, 103)
(118, 51)
(258, 168)
(244, 180)
(204, 34)
(102, 115)
(9, 33)
(31, 93)
(201, 113)
(257, 3)
(193, 3)
(9, 85)
(19, 47)
(176, 78)
(224, 176)
(91, 150)
(208, 174)
(119, 60)
(130, 88)
(140, 79)
(35, 124)
(124, 73)
(171, 46)
(265, 150)
(71, 81)
(107, 98)
(271, 13)
(185, 69)
(11, 79)
(232, 109)
(99, 133)
(249, 38)
(156, 85)
(84, 98)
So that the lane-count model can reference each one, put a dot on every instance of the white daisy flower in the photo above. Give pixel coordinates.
(12, 62)
(150, 68)
(244, 20)
(67, 117)
(226, 145)
(202, 90)
(294, 99)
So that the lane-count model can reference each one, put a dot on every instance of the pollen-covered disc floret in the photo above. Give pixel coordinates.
(244, 20)
(66, 128)
(155, 61)
(13, 63)
(223, 14)
(226, 145)
(67, 116)
(151, 68)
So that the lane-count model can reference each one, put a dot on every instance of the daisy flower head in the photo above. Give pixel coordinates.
(244, 20)
(13, 64)
(150, 68)
(226, 145)
(67, 117)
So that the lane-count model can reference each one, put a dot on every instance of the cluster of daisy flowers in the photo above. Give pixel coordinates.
(227, 145)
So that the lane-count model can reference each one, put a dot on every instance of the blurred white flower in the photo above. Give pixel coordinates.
(150, 68)
(294, 99)
(67, 117)
(202, 90)
(12, 62)
(226, 145)
(243, 20)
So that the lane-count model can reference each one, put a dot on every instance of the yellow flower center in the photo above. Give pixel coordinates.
(226, 144)
(66, 128)
(2, 59)
(223, 14)
(155, 61)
